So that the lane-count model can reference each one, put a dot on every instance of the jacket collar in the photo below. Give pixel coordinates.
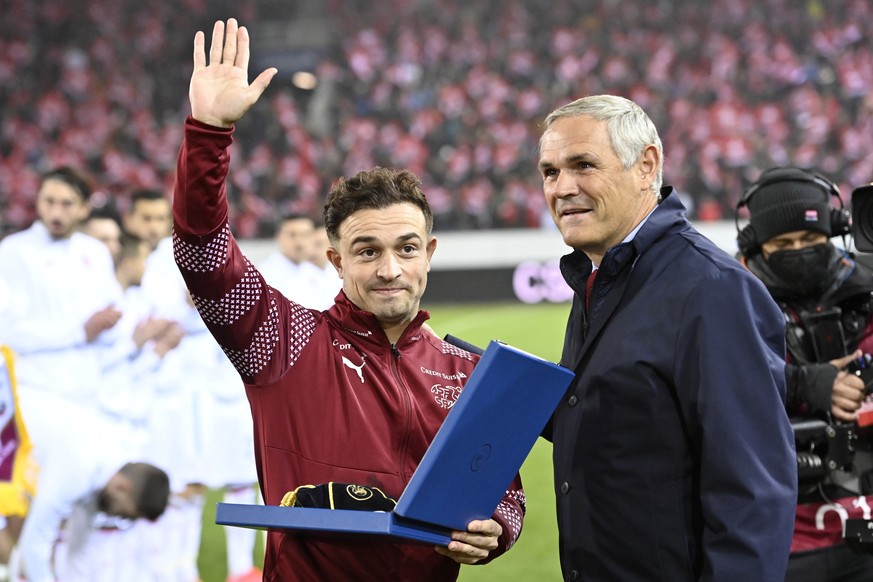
(364, 325)
(668, 216)
(41, 232)
(615, 271)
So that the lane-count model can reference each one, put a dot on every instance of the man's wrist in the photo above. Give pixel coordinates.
(210, 123)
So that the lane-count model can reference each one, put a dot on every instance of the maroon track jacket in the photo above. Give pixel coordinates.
(331, 400)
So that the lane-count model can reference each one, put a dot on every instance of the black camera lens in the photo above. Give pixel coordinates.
(862, 218)
(810, 467)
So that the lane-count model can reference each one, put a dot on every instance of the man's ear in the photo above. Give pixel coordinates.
(430, 248)
(648, 164)
(336, 260)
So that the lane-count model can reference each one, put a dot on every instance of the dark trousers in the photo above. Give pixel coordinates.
(837, 564)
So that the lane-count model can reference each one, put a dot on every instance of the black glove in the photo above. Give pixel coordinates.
(813, 385)
(339, 496)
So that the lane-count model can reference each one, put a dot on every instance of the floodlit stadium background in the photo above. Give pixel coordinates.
(455, 91)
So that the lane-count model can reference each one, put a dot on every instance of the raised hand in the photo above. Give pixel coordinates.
(220, 93)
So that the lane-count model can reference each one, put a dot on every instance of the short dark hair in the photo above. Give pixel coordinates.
(151, 489)
(280, 222)
(131, 246)
(373, 189)
(105, 212)
(295, 216)
(147, 195)
(72, 178)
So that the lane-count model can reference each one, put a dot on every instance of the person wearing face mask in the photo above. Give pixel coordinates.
(825, 296)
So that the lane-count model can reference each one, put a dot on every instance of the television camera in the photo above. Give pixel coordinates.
(858, 533)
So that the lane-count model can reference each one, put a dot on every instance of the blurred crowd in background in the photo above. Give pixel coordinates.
(452, 90)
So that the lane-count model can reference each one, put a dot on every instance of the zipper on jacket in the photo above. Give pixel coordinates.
(396, 355)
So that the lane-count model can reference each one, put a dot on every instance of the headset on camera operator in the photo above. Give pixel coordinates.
(826, 298)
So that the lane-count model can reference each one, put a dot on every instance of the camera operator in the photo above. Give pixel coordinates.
(826, 298)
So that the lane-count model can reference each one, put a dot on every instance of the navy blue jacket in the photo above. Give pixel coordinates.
(673, 455)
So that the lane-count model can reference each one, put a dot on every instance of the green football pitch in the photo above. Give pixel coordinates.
(538, 329)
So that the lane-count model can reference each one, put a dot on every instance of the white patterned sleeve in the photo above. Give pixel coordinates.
(240, 309)
(261, 332)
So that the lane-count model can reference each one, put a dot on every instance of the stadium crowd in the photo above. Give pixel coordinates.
(452, 90)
